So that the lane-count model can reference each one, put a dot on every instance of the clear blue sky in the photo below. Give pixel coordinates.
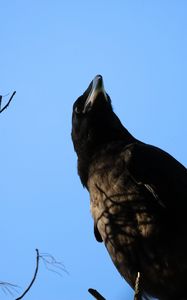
(50, 51)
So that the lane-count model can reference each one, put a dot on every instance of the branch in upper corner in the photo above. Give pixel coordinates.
(2, 109)
(96, 294)
(34, 277)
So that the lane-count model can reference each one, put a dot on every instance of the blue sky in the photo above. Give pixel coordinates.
(50, 51)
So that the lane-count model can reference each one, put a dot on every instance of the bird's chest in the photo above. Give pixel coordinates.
(111, 196)
(117, 206)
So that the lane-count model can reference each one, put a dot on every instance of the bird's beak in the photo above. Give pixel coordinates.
(95, 88)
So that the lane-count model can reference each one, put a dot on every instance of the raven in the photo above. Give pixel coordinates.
(138, 197)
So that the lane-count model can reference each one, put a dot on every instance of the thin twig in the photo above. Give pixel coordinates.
(2, 109)
(34, 277)
(96, 294)
(8, 287)
(137, 294)
(1, 97)
(52, 264)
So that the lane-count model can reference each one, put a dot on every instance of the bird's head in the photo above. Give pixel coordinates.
(92, 113)
(94, 124)
(93, 121)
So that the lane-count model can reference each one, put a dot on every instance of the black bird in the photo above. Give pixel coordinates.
(138, 197)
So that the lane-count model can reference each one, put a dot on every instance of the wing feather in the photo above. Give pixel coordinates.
(161, 174)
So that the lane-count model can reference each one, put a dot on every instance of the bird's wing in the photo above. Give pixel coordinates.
(162, 175)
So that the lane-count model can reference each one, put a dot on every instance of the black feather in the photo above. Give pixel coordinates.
(138, 196)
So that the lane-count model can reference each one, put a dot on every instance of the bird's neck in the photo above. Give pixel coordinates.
(92, 152)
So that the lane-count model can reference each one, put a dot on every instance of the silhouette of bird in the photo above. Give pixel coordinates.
(138, 197)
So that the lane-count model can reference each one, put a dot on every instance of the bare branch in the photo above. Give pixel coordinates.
(2, 109)
(137, 293)
(96, 294)
(34, 277)
(52, 264)
(8, 288)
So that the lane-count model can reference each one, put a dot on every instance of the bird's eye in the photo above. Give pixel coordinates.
(77, 110)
